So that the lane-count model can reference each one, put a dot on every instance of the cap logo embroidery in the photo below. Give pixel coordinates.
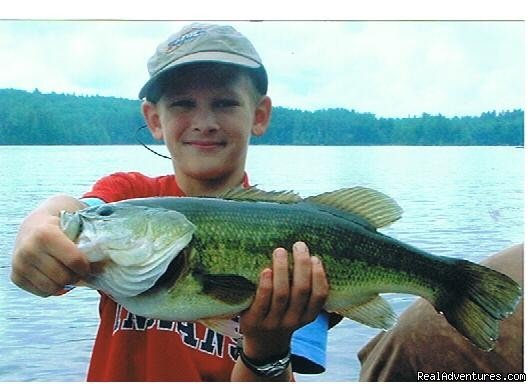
(189, 36)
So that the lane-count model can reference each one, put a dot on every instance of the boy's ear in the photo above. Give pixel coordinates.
(152, 118)
(262, 116)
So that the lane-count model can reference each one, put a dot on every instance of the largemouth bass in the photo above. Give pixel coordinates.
(199, 259)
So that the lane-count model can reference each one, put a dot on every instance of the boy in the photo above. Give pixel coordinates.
(205, 97)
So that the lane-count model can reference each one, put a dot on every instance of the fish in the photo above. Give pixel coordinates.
(199, 258)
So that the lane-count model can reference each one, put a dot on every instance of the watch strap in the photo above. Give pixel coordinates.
(274, 368)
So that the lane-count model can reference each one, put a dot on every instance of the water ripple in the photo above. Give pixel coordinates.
(471, 206)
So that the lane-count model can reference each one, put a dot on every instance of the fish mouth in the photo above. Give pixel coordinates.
(177, 268)
(71, 224)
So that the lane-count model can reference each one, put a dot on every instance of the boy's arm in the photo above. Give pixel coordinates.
(44, 259)
(281, 306)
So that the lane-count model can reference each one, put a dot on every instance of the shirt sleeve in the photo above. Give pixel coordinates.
(309, 346)
(121, 186)
(92, 201)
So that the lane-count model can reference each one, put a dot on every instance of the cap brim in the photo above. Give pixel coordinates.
(200, 57)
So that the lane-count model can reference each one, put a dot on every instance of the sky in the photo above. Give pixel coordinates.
(386, 67)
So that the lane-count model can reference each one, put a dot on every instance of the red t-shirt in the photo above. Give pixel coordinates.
(134, 348)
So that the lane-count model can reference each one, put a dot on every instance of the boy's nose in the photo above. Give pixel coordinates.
(205, 120)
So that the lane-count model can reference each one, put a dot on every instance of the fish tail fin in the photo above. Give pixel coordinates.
(480, 297)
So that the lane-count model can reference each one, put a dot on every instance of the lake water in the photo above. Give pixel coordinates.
(464, 202)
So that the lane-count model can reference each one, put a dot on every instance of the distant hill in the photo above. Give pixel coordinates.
(37, 118)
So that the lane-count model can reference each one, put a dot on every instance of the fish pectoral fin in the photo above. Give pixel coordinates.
(378, 209)
(376, 313)
(228, 288)
(226, 327)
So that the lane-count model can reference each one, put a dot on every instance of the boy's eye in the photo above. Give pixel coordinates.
(182, 103)
(226, 103)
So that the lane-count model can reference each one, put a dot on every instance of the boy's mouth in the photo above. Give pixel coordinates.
(205, 144)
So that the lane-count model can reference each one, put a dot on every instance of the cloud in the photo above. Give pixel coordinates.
(400, 68)
(85, 57)
(388, 68)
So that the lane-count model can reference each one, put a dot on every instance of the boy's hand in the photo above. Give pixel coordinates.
(282, 305)
(44, 259)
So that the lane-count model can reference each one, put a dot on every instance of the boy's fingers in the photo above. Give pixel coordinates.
(57, 272)
(280, 304)
(281, 284)
(302, 268)
(320, 289)
(65, 251)
(261, 304)
(35, 282)
(21, 282)
(302, 282)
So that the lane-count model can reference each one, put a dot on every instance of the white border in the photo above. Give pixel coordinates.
(268, 10)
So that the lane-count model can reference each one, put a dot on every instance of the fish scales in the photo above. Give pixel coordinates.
(222, 244)
(259, 228)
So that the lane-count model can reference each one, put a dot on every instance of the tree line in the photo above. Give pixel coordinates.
(28, 118)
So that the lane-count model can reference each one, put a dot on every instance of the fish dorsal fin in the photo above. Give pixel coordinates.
(373, 206)
(255, 194)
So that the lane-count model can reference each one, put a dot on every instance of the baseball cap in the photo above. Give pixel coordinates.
(200, 42)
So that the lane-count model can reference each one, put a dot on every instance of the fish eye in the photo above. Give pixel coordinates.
(105, 210)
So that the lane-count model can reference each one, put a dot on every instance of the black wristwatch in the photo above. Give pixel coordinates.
(274, 368)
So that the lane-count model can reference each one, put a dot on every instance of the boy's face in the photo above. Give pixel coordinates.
(206, 125)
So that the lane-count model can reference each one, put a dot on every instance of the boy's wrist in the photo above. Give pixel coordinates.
(264, 350)
(273, 367)
(263, 363)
